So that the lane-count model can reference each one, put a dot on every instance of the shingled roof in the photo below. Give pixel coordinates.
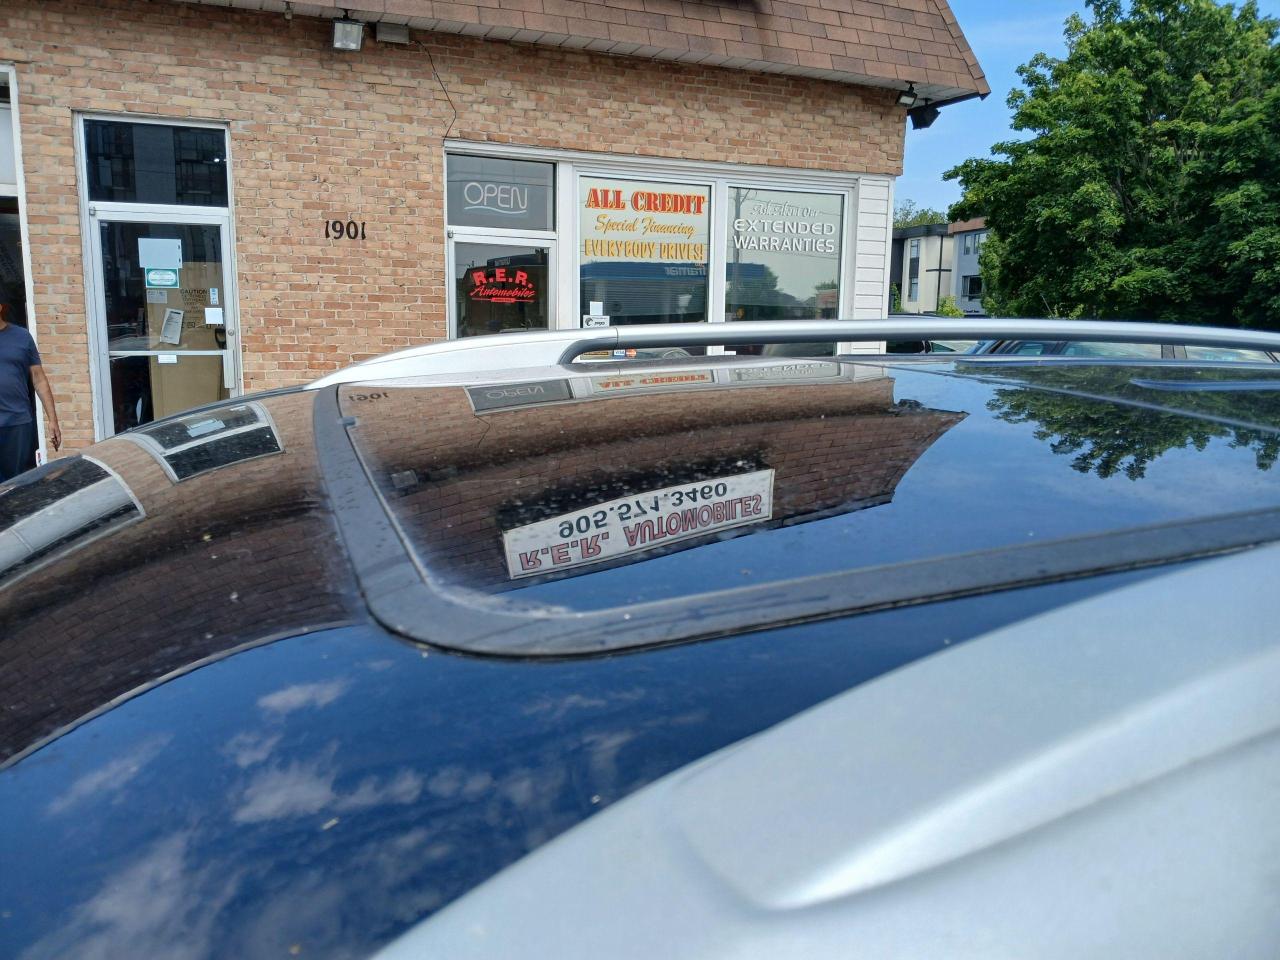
(883, 43)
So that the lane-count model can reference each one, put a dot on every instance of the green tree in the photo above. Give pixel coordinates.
(1149, 184)
(907, 214)
(947, 307)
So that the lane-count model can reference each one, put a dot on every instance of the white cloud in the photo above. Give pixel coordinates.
(304, 788)
(404, 787)
(110, 776)
(303, 695)
(155, 907)
(293, 791)
(247, 748)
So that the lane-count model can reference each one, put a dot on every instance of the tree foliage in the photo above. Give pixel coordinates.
(1149, 184)
(947, 307)
(908, 214)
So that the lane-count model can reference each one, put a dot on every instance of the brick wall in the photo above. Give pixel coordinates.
(317, 133)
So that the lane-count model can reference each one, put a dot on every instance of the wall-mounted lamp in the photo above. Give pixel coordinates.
(347, 34)
(385, 32)
(908, 98)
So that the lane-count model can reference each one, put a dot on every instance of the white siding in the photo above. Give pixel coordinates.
(874, 231)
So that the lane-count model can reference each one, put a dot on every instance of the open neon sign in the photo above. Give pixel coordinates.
(500, 285)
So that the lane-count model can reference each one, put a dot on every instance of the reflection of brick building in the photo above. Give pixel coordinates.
(233, 556)
(247, 552)
(460, 480)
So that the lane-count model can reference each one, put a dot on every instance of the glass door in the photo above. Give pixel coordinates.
(165, 319)
(500, 283)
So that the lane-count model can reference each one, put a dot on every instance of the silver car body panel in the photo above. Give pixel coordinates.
(550, 348)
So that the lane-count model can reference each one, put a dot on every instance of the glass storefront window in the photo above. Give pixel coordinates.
(140, 317)
(166, 328)
(491, 192)
(155, 163)
(499, 286)
(784, 255)
(13, 290)
(644, 250)
(149, 387)
(783, 258)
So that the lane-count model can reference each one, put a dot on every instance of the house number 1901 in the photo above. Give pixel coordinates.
(337, 230)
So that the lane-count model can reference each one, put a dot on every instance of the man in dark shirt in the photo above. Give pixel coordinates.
(19, 360)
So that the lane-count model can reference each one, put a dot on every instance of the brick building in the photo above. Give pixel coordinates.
(204, 199)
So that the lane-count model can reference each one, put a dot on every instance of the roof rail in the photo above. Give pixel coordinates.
(542, 348)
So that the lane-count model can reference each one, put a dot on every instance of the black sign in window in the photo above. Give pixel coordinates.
(489, 192)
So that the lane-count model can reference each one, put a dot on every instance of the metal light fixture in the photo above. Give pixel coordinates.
(347, 34)
(385, 32)
(908, 98)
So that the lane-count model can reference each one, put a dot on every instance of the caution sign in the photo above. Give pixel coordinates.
(638, 523)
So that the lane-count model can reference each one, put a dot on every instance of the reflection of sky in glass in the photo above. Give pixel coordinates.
(983, 484)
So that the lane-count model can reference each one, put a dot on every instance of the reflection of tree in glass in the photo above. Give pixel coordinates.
(1107, 438)
(753, 288)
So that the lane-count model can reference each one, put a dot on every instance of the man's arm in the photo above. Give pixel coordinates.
(45, 393)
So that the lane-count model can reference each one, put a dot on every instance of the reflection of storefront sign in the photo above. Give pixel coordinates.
(500, 285)
(783, 372)
(639, 523)
(634, 221)
(663, 381)
(501, 396)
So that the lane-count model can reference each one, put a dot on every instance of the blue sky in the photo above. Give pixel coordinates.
(1004, 34)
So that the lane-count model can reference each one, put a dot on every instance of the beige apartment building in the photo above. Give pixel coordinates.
(199, 200)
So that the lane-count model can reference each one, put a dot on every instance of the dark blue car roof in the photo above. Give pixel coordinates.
(217, 745)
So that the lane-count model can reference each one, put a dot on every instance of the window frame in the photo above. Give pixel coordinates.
(18, 191)
(603, 172)
(99, 360)
(533, 238)
(571, 166)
